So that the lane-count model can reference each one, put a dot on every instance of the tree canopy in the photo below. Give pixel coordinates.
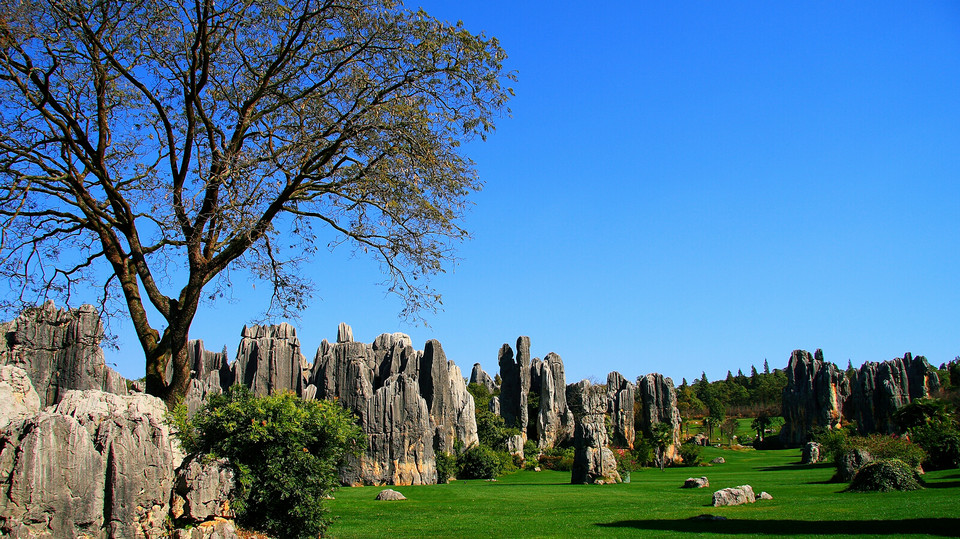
(150, 149)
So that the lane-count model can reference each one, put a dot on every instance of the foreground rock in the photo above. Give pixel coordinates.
(593, 462)
(203, 490)
(96, 464)
(60, 350)
(734, 496)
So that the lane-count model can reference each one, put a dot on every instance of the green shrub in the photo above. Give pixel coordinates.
(491, 430)
(558, 459)
(941, 444)
(690, 453)
(530, 455)
(286, 452)
(446, 467)
(884, 476)
(479, 462)
(891, 447)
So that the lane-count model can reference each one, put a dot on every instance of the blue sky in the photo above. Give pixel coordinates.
(687, 187)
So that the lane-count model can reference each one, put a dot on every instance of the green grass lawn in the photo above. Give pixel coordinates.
(544, 504)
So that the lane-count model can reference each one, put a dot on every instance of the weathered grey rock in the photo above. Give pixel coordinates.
(764, 496)
(814, 396)
(479, 376)
(593, 462)
(269, 360)
(344, 333)
(396, 422)
(452, 409)
(810, 453)
(495, 405)
(515, 445)
(696, 482)
(554, 422)
(344, 374)
(203, 490)
(218, 528)
(390, 495)
(18, 399)
(515, 384)
(60, 350)
(850, 462)
(734, 496)
(98, 464)
(718, 460)
(658, 404)
(620, 399)
(880, 389)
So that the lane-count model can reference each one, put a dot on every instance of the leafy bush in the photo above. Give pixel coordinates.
(942, 446)
(891, 447)
(491, 430)
(479, 462)
(884, 476)
(558, 459)
(530, 455)
(286, 452)
(446, 467)
(690, 453)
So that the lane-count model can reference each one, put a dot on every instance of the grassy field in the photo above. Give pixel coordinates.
(544, 504)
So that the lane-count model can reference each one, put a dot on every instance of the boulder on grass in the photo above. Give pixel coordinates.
(734, 496)
(850, 462)
(811, 453)
(388, 494)
(696, 482)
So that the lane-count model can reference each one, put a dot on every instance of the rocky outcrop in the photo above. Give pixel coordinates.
(814, 396)
(399, 433)
(97, 464)
(515, 384)
(480, 376)
(269, 360)
(60, 350)
(411, 404)
(554, 421)
(593, 461)
(620, 399)
(18, 399)
(880, 389)
(658, 404)
(203, 490)
(818, 394)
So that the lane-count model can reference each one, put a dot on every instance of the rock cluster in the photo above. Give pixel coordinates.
(60, 350)
(818, 394)
(813, 397)
(658, 399)
(409, 403)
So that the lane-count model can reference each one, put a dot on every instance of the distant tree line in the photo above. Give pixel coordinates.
(738, 395)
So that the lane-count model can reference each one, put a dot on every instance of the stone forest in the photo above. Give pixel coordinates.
(84, 452)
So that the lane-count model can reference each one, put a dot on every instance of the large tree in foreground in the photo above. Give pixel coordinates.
(150, 148)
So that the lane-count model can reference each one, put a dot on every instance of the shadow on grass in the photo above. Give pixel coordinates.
(796, 467)
(943, 484)
(945, 527)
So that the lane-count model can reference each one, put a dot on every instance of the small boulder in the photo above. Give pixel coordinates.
(718, 460)
(811, 453)
(696, 482)
(850, 462)
(390, 495)
(765, 496)
(734, 496)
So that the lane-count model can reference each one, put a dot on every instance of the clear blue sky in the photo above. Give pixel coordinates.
(691, 186)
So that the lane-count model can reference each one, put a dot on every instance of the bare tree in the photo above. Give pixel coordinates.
(148, 148)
